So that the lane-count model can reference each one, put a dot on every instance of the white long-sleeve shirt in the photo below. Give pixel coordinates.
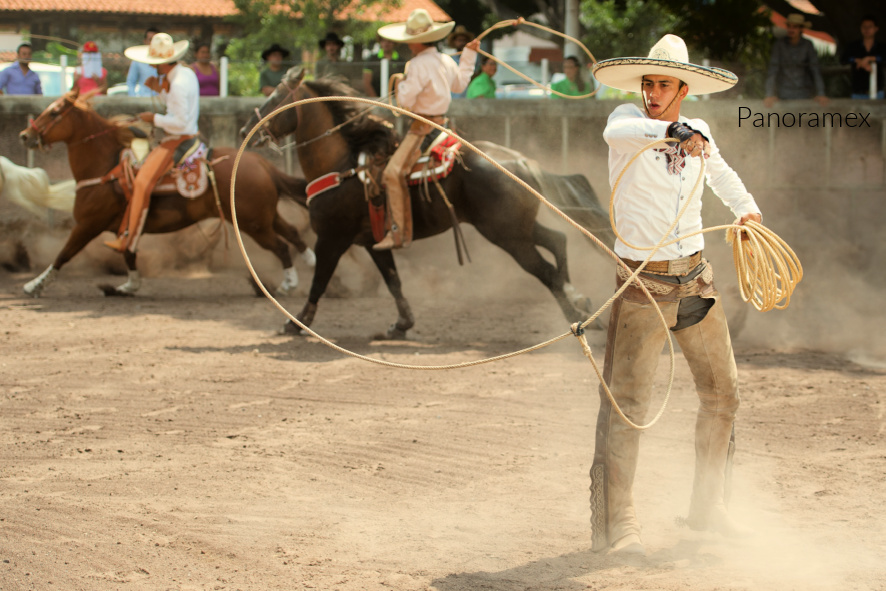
(649, 198)
(182, 102)
(431, 78)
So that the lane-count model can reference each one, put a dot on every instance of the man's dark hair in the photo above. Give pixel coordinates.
(19, 48)
(869, 17)
(154, 30)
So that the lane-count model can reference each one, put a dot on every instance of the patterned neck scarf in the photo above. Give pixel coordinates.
(675, 156)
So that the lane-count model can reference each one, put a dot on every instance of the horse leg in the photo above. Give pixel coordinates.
(80, 236)
(291, 235)
(133, 279)
(528, 257)
(267, 239)
(555, 242)
(329, 251)
(384, 260)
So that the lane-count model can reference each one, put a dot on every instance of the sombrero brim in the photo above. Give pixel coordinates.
(139, 53)
(397, 32)
(627, 74)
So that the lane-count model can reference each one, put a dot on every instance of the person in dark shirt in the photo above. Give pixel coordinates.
(861, 55)
(272, 75)
(793, 67)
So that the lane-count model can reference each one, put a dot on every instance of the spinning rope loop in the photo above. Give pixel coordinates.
(768, 269)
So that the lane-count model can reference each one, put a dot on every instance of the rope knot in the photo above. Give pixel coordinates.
(577, 329)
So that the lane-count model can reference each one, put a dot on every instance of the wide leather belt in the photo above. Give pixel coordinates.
(681, 266)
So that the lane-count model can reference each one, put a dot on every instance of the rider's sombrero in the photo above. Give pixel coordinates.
(161, 51)
(668, 57)
(418, 28)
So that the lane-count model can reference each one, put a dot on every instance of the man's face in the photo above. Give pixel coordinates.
(490, 67)
(658, 94)
(332, 49)
(794, 32)
(460, 42)
(387, 46)
(869, 29)
(275, 58)
(24, 55)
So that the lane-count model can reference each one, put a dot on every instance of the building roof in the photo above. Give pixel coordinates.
(203, 8)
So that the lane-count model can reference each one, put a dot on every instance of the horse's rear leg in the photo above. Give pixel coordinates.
(329, 251)
(555, 242)
(384, 260)
(80, 236)
(269, 240)
(291, 235)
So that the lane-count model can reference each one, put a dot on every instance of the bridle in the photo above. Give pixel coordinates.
(32, 123)
(264, 133)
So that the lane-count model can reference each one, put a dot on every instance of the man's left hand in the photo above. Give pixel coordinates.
(473, 45)
(147, 117)
(754, 217)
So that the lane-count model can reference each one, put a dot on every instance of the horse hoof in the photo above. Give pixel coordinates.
(392, 334)
(291, 329)
(110, 291)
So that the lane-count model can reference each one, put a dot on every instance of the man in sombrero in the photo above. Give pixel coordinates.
(180, 90)
(648, 198)
(426, 90)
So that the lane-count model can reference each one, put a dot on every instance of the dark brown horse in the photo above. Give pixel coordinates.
(94, 145)
(502, 212)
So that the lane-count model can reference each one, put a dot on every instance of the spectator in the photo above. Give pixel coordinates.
(861, 55)
(483, 86)
(793, 67)
(573, 84)
(90, 76)
(373, 85)
(139, 72)
(271, 77)
(18, 78)
(457, 39)
(207, 73)
(330, 63)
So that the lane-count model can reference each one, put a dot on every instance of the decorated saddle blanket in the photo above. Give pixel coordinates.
(437, 158)
(188, 176)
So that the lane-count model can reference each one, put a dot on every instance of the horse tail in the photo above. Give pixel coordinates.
(290, 186)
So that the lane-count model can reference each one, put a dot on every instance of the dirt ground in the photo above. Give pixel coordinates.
(175, 441)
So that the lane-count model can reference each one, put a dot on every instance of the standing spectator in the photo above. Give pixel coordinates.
(90, 76)
(793, 67)
(483, 86)
(271, 77)
(330, 63)
(457, 39)
(139, 72)
(373, 85)
(573, 84)
(861, 55)
(207, 73)
(18, 78)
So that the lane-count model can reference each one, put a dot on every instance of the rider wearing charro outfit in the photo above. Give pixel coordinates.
(431, 78)
(181, 92)
(649, 196)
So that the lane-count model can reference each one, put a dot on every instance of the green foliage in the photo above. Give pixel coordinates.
(728, 30)
(618, 28)
(243, 79)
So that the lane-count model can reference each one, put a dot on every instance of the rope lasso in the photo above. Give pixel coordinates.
(752, 287)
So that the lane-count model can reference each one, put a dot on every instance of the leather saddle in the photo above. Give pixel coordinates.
(189, 175)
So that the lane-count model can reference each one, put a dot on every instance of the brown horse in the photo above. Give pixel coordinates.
(330, 135)
(94, 146)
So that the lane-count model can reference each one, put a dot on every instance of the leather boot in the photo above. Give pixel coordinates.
(708, 350)
(633, 348)
(119, 244)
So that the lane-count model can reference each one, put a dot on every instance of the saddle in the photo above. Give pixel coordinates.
(189, 175)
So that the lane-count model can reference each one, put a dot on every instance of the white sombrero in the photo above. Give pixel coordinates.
(418, 28)
(668, 57)
(161, 50)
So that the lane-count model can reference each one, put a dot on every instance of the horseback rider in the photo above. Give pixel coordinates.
(180, 91)
(646, 203)
(426, 90)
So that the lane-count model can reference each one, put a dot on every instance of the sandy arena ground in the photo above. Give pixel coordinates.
(174, 441)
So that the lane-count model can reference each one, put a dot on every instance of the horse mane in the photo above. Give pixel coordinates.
(122, 134)
(366, 133)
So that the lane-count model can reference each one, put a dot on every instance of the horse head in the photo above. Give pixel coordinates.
(52, 125)
(283, 95)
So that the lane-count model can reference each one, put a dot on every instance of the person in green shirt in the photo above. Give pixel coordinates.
(271, 76)
(573, 84)
(483, 86)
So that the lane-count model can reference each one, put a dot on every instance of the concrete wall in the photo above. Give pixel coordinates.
(835, 176)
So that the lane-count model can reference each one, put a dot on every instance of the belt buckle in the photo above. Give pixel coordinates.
(679, 266)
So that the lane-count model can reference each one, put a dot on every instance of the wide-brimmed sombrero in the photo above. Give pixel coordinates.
(668, 57)
(161, 50)
(418, 28)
